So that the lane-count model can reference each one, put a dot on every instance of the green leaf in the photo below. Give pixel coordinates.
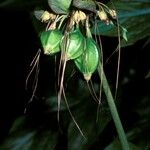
(100, 28)
(60, 6)
(133, 17)
(109, 30)
(91, 129)
(25, 136)
(86, 120)
(85, 4)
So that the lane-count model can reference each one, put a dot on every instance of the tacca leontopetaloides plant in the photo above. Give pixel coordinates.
(67, 30)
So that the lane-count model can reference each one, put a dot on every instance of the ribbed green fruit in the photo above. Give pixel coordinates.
(75, 44)
(88, 61)
(51, 41)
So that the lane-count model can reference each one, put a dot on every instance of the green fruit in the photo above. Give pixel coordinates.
(75, 44)
(88, 61)
(51, 41)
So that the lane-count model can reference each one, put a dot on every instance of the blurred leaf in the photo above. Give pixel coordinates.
(148, 74)
(133, 16)
(85, 116)
(91, 130)
(52, 103)
(141, 127)
(60, 6)
(18, 124)
(38, 14)
(103, 29)
(85, 4)
(143, 108)
(109, 30)
(115, 145)
(23, 136)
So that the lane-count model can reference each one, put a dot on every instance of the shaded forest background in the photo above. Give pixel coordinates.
(19, 44)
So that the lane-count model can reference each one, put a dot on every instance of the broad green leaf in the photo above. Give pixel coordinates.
(85, 116)
(26, 136)
(85, 4)
(133, 17)
(60, 6)
(91, 129)
(101, 28)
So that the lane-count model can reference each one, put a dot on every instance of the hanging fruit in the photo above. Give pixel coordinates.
(51, 41)
(73, 44)
(88, 61)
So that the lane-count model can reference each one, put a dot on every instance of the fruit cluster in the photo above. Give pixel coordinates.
(70, 34)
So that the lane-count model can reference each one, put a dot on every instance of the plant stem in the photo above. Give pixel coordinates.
(110, 100)
(114, 112)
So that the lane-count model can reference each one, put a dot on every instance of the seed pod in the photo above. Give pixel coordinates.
(88, 61)
(74, 44)
(51, 41)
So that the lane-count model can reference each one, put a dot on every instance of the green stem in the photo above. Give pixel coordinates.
(114, 112)
(110, 100)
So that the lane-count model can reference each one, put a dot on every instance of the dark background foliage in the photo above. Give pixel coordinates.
(19, 44)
